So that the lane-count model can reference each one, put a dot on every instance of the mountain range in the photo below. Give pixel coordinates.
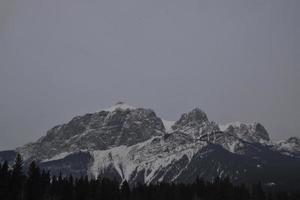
(134, 144)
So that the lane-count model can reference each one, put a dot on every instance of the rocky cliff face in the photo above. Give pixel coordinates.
(130, 143)
(196, 124)
(253, 132)
(98, 131)
(289, 147)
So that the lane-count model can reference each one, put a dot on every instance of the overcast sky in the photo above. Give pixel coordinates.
(238, 60)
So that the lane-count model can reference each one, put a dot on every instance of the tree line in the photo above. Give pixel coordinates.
(37, 184)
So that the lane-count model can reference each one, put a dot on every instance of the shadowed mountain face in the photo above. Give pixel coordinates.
(130, 143)
(98, 131)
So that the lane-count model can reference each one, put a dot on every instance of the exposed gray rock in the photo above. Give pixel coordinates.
(250, 132)
(124, 142)
(195, 123)
(290, 146)
(98, 131)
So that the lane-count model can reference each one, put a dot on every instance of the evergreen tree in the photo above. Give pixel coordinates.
(17, 179)
(45, 184)
(53, 188)
(258, 192)
(33, 184)
(67, 188)
(4, 180)
(39, 186)
(125, 190)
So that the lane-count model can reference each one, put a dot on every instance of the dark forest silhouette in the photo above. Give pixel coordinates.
(38, 184)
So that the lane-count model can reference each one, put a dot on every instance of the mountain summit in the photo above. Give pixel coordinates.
(125, 142)
(120, 106)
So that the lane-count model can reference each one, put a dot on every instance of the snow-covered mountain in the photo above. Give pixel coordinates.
(125, 142)
(290, 146)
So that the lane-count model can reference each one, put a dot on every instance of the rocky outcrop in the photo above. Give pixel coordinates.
(124, 142)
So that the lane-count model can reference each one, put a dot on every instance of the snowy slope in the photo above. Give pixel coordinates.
(290, 146)
(125, 142)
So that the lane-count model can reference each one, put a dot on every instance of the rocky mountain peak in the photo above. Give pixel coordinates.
(194, 117)
(119, 125)
(195, 123)
(294, 140)
(290, 146)
(120, 106)
(250, 132)
(131, 143)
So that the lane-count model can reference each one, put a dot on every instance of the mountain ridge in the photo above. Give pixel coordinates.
(125, 142)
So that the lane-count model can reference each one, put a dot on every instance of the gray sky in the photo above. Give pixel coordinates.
(235, 59)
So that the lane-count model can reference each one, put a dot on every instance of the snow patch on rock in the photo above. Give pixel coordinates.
(121, 106)
(168, 125)
(58, 157)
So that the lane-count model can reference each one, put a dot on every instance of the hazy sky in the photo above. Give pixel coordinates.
(235, 59)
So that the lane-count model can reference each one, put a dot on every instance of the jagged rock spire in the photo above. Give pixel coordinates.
(196, 116)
